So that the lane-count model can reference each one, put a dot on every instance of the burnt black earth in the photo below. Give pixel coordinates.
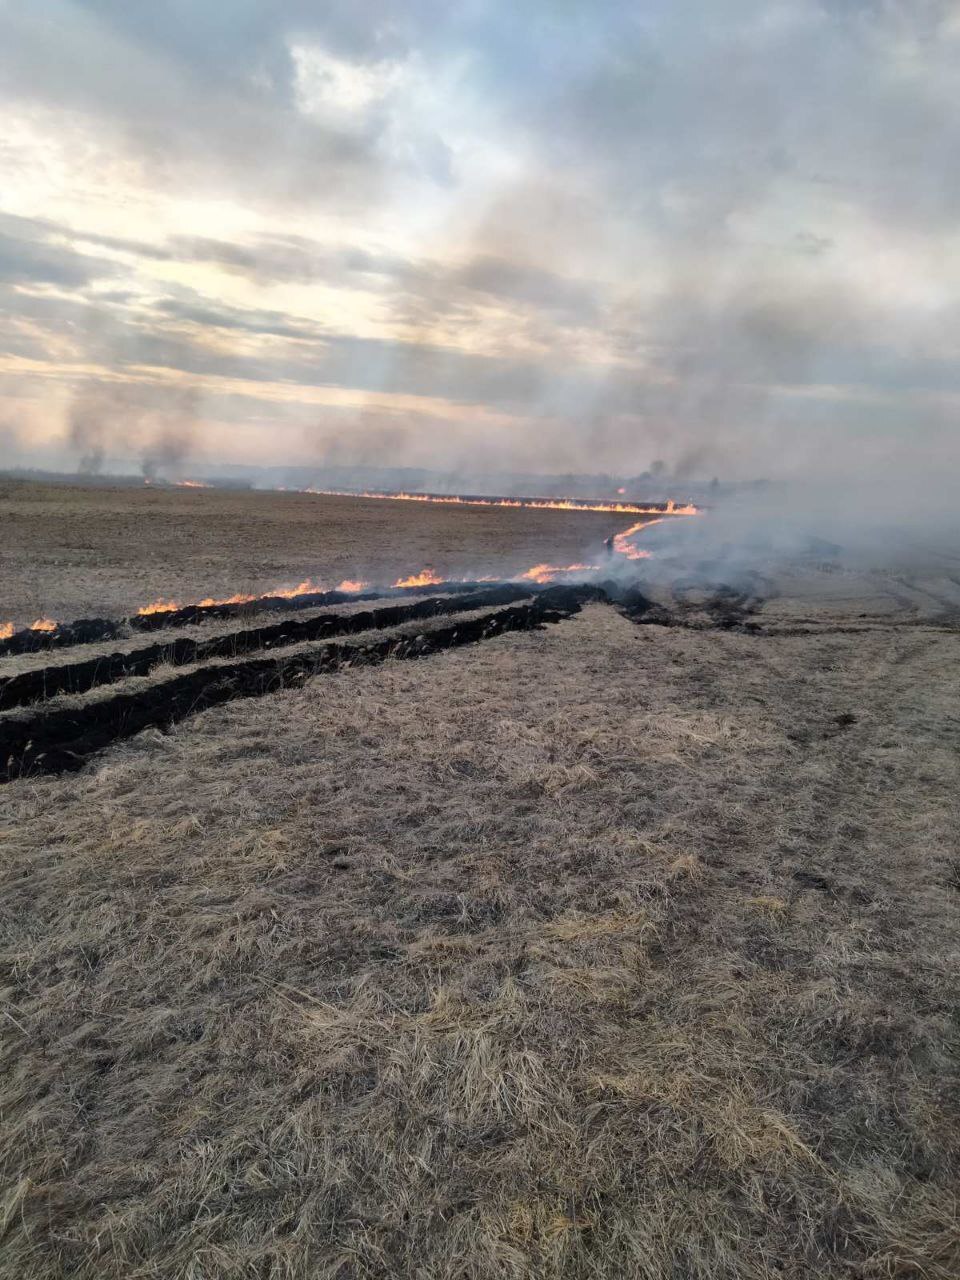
(95, 630)
(63, 740)
(79, 677)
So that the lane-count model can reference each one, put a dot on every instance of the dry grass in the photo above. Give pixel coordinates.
(73, 551)
(594, 952)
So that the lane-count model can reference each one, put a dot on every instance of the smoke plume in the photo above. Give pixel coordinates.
(120, 421)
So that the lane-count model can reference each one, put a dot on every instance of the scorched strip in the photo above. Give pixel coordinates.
(59, 741)
(79, 677)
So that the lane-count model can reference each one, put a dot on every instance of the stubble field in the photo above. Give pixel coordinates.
(614, 942)
(70, 551)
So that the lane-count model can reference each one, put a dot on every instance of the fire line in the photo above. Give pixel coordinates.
(670, 508)
(540, 573)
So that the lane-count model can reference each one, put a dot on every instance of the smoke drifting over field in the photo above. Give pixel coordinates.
(556, 239)
(118, 419)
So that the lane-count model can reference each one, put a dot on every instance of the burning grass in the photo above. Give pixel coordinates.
(669, 508)
(68, 549)
(469, 968)
(208, 627)
(80, 676)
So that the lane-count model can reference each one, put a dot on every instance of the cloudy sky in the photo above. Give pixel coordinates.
(551, 235)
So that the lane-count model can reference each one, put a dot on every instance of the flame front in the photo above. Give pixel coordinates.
(425, 578)
(209, 601)
(192, 484)
(304, 588)
(530, 504)
(547, 572)
(623, 546)
(159, 606)
(8, 629)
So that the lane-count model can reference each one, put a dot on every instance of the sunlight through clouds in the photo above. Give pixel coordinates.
(627, 234)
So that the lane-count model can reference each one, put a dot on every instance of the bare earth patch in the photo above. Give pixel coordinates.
(600, 951)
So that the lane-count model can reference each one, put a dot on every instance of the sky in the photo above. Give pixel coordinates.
(547, 236)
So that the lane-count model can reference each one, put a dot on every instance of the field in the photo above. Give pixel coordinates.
(550, 936)
(72, 551)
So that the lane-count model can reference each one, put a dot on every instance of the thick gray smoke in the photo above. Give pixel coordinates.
(165, 451)
(86, 433)
(117, 422)
(564, 240)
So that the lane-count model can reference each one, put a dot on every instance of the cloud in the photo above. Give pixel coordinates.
(723, 234)
(199, 94)
(194, 310)
(27, 262)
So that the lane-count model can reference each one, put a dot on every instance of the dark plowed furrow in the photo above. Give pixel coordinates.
(94, 630)
(55, 742)
(79, 677)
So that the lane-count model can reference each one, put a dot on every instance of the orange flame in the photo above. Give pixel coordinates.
(622, 545)
(305, 588)
(547, 572)
(534, 504)
(425, 578)
(159, 606)
(540, 573)
(284, 593)
(192, 484)
(207, 601)
(7, 629)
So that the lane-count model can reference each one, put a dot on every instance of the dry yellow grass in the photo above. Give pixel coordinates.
(595, 952)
